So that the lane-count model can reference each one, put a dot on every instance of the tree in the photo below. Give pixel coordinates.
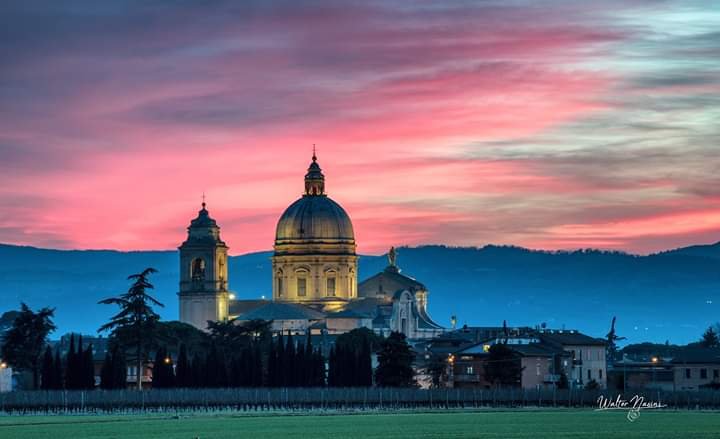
(364, 371)
(163, 375)
(106, 378)
(351, 365)
(134, 325)
(58, 371)
(563, 381)
(71, 368)
(592, 385)
(395, 360)
(502, 367)
(183, 372)
(710, 338)
(24, 343)
(88, 369)
(48, 370)
(612, 338)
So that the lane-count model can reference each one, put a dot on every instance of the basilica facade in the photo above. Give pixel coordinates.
(314, 276)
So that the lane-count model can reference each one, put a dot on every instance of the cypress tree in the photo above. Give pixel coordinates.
(58, 371)
(280, 363)
(364, 364)
(300, 366)
(257, 366)
(69, 366)
(182, 368)
(119, 370)
(320, 371)
(332, 369)
(47, 372)
(88, 368)
(290, 363)
(215, 375)
(106, 373)
(198, 377)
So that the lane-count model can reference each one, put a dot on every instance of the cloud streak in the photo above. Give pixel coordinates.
(561, 125)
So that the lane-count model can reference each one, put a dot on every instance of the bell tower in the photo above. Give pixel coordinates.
(203, 273)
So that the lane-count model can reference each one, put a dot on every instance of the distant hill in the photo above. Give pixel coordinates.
(706, 251)
(672, 296)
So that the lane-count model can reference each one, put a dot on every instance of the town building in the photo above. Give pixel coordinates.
(543, 356)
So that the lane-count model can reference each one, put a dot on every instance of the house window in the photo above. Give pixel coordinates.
(302, 287)
(280, 286)
(589, 374)
(687, 373)
(600, 373)
(331, 286)
(716, 373)
(469, 370)
(703, 374)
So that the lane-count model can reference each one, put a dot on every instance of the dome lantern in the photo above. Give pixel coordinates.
(314, 179)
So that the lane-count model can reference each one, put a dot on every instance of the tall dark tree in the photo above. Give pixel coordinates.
(198, 371)
(290, 363)
(256, 370)
(319, 371)
(47, 374)
(183, 372)
(612, 339)
(502, 367)
(364, 371)
(215, 368)
(71, 366)
(24, 343)
(395, 359)
(163, 375)
(710, 338)
(332, 379)
(58, 370)
(88, 368)
(134, 326)
(106, 378)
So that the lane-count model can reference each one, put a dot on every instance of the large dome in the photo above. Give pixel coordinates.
(314, 218)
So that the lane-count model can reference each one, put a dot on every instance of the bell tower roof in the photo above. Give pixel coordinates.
(203, 229)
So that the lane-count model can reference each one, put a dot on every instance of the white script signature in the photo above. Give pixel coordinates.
(632, 405)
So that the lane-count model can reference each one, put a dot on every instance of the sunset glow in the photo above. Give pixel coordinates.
(558, 124)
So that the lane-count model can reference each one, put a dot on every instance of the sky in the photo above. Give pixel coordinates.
(553, 125)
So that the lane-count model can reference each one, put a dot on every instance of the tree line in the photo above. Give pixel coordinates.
(229, 354)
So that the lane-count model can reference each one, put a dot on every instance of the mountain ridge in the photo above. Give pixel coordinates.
(674, 294)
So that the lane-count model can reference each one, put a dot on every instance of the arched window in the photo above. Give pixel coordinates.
(302, 286)
(197, 269)
(330, 286)
(301, 275)
(279, 283)
(330, 282)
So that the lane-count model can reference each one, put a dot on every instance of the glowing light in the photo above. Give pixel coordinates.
(231, 296)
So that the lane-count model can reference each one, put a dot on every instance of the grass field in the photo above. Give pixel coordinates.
(481, 424)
